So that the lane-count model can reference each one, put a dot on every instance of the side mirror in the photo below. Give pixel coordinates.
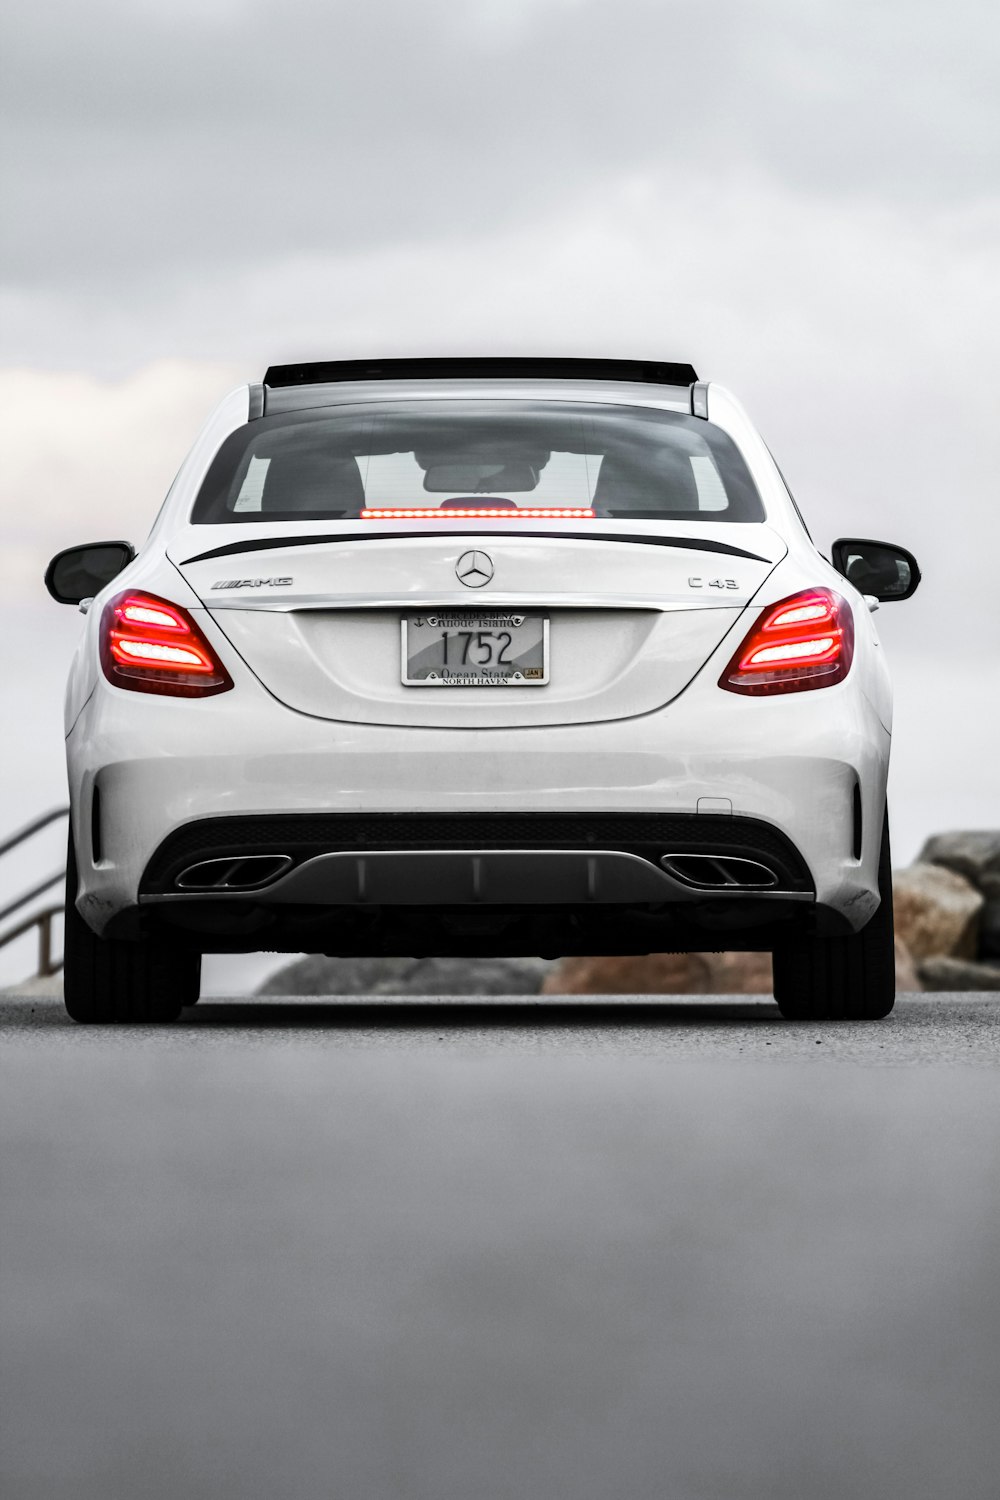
(80, 572)
(878, 568)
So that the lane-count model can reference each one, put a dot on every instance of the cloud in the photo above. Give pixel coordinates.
(153, 142)
(86, 459)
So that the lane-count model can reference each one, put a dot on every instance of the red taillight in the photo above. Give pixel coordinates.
(151, 646)
(806, 641)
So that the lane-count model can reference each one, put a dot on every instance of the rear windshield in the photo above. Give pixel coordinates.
(378, 460)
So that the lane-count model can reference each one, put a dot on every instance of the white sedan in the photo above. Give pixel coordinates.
(494, 656)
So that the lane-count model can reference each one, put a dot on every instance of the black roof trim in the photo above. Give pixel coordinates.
(266, 544)
(643, 371)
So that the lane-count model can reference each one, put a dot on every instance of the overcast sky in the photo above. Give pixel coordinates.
(801, 198)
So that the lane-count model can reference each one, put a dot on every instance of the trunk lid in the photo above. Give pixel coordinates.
(633, 613)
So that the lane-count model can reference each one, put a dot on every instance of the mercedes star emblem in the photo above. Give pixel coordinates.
(474, 569)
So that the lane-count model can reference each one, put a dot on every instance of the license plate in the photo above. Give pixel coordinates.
(475, 648)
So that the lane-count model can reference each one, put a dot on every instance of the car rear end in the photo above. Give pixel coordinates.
(475, 678)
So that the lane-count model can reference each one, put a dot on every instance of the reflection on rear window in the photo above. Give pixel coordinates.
(636, 463)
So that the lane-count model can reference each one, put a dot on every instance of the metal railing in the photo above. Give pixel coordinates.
(43, 918)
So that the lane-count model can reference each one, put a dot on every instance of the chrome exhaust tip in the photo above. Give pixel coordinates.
(719, 872)
(245, 872)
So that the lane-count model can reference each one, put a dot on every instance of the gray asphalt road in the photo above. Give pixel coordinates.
(923, 1029)
(459, 1252)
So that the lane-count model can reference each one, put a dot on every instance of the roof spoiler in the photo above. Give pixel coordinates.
(645, 372)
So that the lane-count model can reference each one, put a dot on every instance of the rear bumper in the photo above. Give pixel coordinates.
(164, 766)
(444, 883)
(520, 858)
(678, 882)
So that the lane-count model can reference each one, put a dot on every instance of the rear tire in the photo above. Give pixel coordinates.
(842, 978)
(107, 981)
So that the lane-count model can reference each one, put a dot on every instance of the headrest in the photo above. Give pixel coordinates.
(660, 481)
(313, 481)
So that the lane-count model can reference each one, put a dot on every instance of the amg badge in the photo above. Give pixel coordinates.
(253, 583)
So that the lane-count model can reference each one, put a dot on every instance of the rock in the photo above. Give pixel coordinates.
(958, 974)
(687, 974)
(972, 854)
(663, 974)
(907, 977)
(936, 911)
(990, 921)
(976, 856)
(649, 974)
(408, 976)
(739, 973)
(644, 974)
